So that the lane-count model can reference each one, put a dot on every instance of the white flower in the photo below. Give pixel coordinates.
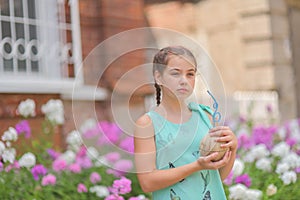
(238, 167)
(282, 133)
(252, 194)
(142, 197)
(87, 125)
(257, 152)
(9, 155)
(271, 190)
(2, 148)
(27, 160)
(281, 149)
(92, 153)
(294, 127)
(237, 192)
(10, 135)
(281, 168)
(101, 161)
(27, 108)
(289, 177)
(54, 111)
(101, 191)
(292, 159)
(264, 164)
(69, 156)
(74, 139)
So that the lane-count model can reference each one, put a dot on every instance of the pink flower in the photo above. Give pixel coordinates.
(134, 198)
(110, 133)
(84, 162)
(1, 166)
(127, 144)
(59, 165)
(121, 186)
(95, 177)
(81, 188)
(113, 157)
(228, 180)
(23, 127)
(82, 152)
(114, 197)
(49, 180)
(14, 165)
(75, 168)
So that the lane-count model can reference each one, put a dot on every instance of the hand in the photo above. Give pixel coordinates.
(224, 135)
(207, 162)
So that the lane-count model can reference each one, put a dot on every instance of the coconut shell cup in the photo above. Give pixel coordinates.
(208, 146)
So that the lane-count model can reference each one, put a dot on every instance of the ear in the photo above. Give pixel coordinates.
(157, 77)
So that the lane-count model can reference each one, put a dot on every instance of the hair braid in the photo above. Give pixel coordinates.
(158, 93)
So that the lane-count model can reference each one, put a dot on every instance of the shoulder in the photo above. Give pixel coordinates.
(144, 127)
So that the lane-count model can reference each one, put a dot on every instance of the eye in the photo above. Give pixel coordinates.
(175, 73)
(191, 74)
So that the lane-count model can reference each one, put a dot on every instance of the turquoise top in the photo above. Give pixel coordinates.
(177, 145)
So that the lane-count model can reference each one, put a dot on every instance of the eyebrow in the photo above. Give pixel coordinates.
(176, 69)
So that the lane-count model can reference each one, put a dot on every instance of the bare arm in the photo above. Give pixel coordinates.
(149, 177)
(230, 140)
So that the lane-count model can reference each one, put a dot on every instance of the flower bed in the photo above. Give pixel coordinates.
(82, 171)
(268, 162)
(98, 161)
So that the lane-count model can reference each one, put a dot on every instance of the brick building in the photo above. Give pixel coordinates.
(253, 43)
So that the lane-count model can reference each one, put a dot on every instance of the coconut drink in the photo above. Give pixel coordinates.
(208, 144)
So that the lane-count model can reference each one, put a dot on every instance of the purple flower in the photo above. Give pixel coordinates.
(243, 179)
(49, 180)
(244, 141)
(23, 127)
(53, 154)
(59, 165)
(75, 168)
(121, 186)
(264, 135)
(127, 144)
(291, 141)
(38, 170)
(269, 108)
(95, 177)
(114, 197)
(81, 188)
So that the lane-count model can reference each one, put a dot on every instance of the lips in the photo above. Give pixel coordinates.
(183, 90)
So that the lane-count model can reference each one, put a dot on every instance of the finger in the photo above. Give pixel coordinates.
(219, 128)
(221, 132)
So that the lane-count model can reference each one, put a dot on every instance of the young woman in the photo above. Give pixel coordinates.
(167, 138)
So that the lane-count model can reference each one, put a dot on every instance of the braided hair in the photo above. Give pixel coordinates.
(161, 60)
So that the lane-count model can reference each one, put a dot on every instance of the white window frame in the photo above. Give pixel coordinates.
(49, 81)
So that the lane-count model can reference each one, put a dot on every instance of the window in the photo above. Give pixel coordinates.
(39, 41)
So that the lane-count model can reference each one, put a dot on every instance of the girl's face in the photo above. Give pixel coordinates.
(178, 78)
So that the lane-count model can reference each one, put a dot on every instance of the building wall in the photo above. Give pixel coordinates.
(248, 40)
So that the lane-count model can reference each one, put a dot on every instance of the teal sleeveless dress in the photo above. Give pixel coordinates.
(177, 145)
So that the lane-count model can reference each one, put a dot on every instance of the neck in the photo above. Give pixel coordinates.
(174, 105)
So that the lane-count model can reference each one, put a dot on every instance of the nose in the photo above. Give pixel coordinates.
(183, 80)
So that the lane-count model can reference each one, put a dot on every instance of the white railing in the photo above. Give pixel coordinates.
(261, 106)
(39, 43)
